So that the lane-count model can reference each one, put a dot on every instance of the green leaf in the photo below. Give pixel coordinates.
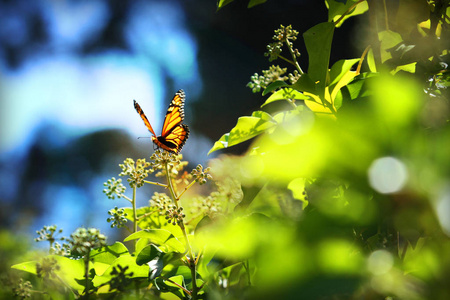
(305, 84)
(71, 271)
(255, 2)
(285, 94)
(388, 39)
(28, 266)
(337, 8)
(245, 129)
(371, 61)
(318, 44)
(157, 258)
(222, 3)
(340, 68)
(109, 253)
(273, 86)
(251, 3)
(123, 261)
(159, 237)
(153, 220)
(297, 186)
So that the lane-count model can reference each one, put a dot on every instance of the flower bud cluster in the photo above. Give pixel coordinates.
(114, 187)
(201, 175)
(118, 217)
(136, 172)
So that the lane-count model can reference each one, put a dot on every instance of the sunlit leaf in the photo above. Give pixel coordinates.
(340, 69)
(124, 261)
(388, 39)
(71, 271)
(159, 237)
(297, 186)
(109, 253)
(285, 94)
(245, 129)
(337, 8)
(222, 3)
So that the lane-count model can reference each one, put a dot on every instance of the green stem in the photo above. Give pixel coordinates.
(135, 218)
(156, 183)
(180, 286)
(186, 188)
(86, 276)
(386, 20)
(294, 58)
(286, 59)
(191, 259)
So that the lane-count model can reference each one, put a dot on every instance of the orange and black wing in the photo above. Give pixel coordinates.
(174, 114)
(174, 140)
(174, 134)
(144, 118)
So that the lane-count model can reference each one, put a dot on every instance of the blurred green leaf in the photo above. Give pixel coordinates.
(297, 186)
(70, 271)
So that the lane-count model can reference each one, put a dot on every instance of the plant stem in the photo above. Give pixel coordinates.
(191, 259)
(86, 275)
(135, 218)
(294, 58)
(156, 183)
(186, 188)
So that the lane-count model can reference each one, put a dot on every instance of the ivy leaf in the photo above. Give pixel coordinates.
(273, 86)
(160, 237)
(336, 8)
(255, 2)
(124, 261)
(251, 3)
(70, 271)
(245, 129)
(297, 186)
(318, 41)
(305, 84)
(388, 39)
(285, 94)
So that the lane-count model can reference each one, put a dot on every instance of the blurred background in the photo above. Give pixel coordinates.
(69, 71)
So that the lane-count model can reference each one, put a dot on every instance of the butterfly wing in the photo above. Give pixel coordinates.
(143, 117)
(174, 140)
(175, 114)
(174, 134)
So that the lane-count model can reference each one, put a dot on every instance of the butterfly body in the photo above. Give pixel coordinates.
(173, 134)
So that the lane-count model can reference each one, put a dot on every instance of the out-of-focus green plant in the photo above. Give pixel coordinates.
(346, 189)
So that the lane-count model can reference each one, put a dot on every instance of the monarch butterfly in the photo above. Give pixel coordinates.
(173, 134)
